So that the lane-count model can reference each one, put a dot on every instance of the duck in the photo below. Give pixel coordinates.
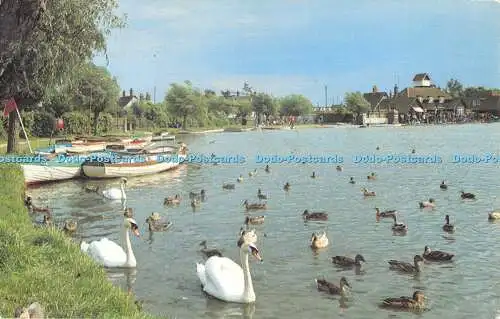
(172, 200)
(339, 168)
(260, 195)
(366, 193)
(209, 252)
(377, 148)
(46, 222)
(254, 206)
(406, 267)
(313, 175)
(436, 255)
(157, 224)
(35, 310)
(228, 186)
(447, 227)
(252, 173)
(399, 227)
(344, 261)
(352, 181)
(331, 288)
(70, 226)
(405, 303)
(128, 212)
(91, 188)
(255, 220)
(443, 185)
(195, 203)
(116, 193)
(287, 186)
(28, 202)
(314, 215)
(495, 215)
(384, 214)
(465, 195)
(319, 240)
(240, 179)
(201, 195)
(413, 151)
(111, 255)
(372, 176)
(267, 169)
(427, 204)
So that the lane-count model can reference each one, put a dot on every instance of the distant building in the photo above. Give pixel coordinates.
(375, 98)
(126, 101)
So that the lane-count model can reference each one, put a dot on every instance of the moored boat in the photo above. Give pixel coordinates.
(50, 171)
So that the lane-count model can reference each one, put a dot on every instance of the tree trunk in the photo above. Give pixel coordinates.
(184, 122)
(12, 133)
(95, 122)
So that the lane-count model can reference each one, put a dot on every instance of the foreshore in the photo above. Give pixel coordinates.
(44, 265)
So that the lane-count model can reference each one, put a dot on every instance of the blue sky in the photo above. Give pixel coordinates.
(298, 46)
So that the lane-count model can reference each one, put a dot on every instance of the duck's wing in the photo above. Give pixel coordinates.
(343, 260)
(401, 302)
(400, 265)
(439, 255)
(327, 286)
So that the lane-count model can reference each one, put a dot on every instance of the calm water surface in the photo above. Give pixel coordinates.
(284, 284)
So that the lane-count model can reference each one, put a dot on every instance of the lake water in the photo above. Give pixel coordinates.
(166, 279)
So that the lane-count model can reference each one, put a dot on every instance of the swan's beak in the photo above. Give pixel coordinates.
(135, 231)
(256, 254)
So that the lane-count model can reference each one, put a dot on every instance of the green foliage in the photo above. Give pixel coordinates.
(43, 124)
(105, 123)
(44, 265)
(454, 88)
(76, 123)
(182, 102)
(357, 104)
(295, 105)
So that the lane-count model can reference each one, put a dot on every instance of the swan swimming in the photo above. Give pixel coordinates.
(224, 279)
(111, 255)
(116, 193)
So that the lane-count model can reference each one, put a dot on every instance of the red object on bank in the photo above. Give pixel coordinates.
(10, 106)
(59, 124)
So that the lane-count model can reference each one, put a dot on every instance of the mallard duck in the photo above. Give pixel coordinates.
(366, 193)
(209, 252)
(252, 173)
(384, 214)
(447, 227)
(70, 226)
(255, 220)
(401, 303)
(91, 188)
(319, 240)
(157, 224)
(406, 267)
(314, 215)
(339, 168)
(399, 227)
(254, 206)
(372, 176)
(172, 200)
(28, 202)
(427, 204)
(35, 310)
(331, 288)
(200, 195)
(443, 185)
(352, 181)
(195, 203)
(313, 175)
(377, 148)
(465, 195)
(344, 261)
(413, 151)
(436, 255)
(260, 195)
(287, 186)
(228, 186)
(267, 169)
(240, 179)
(495, 215)
(128, 212)
(47, 220)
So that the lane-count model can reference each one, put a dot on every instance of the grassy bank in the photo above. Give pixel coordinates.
(44, 265)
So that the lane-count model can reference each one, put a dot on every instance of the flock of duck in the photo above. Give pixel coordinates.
(229, 281)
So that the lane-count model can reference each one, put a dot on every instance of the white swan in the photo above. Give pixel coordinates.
(111, 255)
(116, 193)
(223, 279)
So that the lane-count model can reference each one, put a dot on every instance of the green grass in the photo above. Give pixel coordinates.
(44, 265)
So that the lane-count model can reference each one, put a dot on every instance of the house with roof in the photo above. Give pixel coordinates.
(127, 101)
(375, 98)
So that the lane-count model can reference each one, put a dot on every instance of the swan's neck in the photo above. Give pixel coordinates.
(417, 266)
(248, 293)
(122, 187)
(130, 262)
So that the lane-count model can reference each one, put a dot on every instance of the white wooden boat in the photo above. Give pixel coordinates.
(51, 171)
(138, 163)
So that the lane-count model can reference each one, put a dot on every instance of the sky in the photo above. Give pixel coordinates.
(298, 47)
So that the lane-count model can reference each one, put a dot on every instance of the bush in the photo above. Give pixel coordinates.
(76, 123)
(105, 123)
(44, 265)
(43, 124)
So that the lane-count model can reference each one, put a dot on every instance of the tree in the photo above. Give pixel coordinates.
(43, 43)
(263, 103)
(181, 101)
(295, 105)
(97, 91)
(357, 104)
(454, 88)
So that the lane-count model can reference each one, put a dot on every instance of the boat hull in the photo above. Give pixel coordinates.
(116, 170)
(35, 174)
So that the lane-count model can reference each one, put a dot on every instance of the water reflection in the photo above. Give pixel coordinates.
(218, 309)
(123, 277)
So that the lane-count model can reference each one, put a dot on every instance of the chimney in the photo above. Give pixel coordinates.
(123, 93)
(131, 92)
(374, 89)
(395, 90)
